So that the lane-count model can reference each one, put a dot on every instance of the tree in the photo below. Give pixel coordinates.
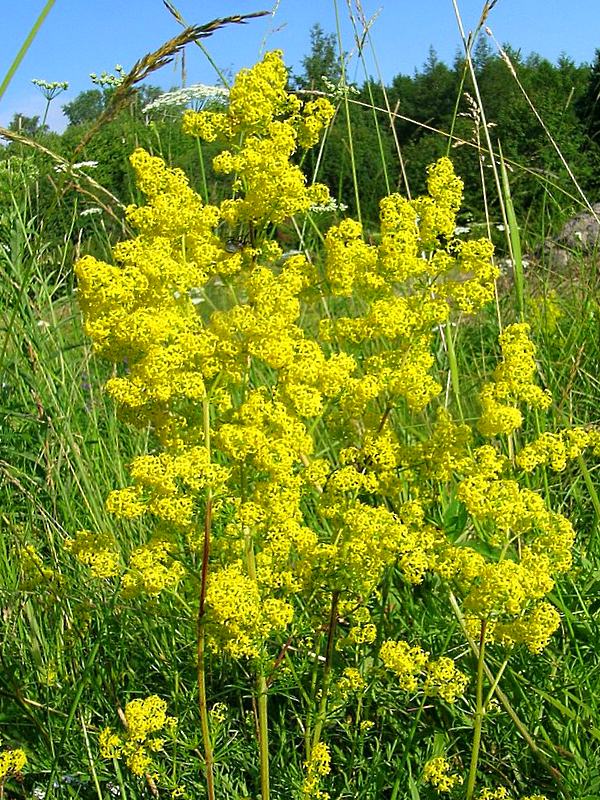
(482, 54)
(27, 126)
(429, 98)
(588, 106)
(86, 107)
(322, 62)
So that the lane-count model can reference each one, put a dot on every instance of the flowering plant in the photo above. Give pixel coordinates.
(287, 478)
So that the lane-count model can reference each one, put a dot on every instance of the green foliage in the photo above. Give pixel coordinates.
(86, 107)
(27, 126)
(322, 64)
(589, 101)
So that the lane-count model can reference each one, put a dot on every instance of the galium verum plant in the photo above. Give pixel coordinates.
(281, 486)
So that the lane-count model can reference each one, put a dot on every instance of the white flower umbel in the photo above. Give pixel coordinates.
(64, 167)
(331, 205)
(198, 94)
(50, 89)
(106, 80)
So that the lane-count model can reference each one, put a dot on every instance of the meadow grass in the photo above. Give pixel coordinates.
(74, 651)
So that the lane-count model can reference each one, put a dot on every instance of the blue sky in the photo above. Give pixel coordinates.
(80, 37)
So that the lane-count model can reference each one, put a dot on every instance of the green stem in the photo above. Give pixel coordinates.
(25, 46)
(200, 630)
(519, 725)
(322, 713)
(514, 236)
(453, 368)
(479, 712)
(593, 495)
(347, 115)
(202, 170)
(263, 734)
(261, 693)
(45, 114)
(407, 748)
(204, 724)
(495, 684)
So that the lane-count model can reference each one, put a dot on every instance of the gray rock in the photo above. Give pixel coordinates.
(579, 236)
(582, 232)
(555, 256)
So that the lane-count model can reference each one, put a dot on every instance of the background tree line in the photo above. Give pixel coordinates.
(426, 107)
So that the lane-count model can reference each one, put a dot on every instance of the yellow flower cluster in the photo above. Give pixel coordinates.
(142, 719)
(443, 454)
(443, 679)
(98, 551)
(264, 125)
(532, 545)
(532, 629)
(152, 569)
(411, 665)
(437, 772)
(317, 767)
(416, 247)
(165, 485)
(239, 619)
(11, 763)
(557, 449)
(141, 312)
(512, 383)
(502, 794)
(34, 571)
(368, 538)
(351, 682)
(237, 398)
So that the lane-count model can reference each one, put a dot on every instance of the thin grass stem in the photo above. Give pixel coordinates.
(479, 714)
(25, 46)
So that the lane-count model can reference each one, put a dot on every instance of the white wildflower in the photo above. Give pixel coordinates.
(50, 89)
(65, 167)
(338, 91)
(106, 79)
(84, 164)
(331, 205)
(199, 94)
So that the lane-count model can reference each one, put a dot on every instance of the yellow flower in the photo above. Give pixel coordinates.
(437, 773)
(35, 573)
(152, 569)
(444, 680)
(405, 661)
(317, 767)
(143, 717)
(513, 383)
(111, 744)
(98, 551)
(11, 763)
(350, 683)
